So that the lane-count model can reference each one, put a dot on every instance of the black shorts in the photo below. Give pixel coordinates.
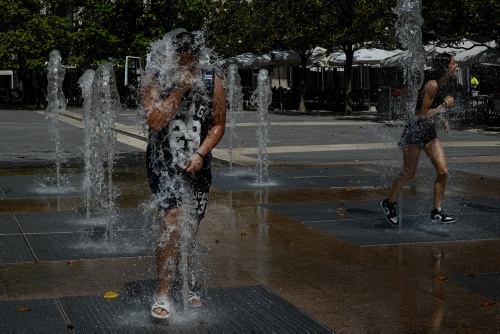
(418, 132)
(174, 188)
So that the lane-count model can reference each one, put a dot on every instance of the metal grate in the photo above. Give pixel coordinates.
(362, 222)
(226, 310)
(32, 316)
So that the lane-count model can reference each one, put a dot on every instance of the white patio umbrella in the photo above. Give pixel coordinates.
(241, 60)
(318, 58)
(466, 47)
(479, 55)
(363, 56)
(281, 58)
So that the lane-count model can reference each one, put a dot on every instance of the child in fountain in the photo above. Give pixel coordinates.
(420, 134)
(186, 111)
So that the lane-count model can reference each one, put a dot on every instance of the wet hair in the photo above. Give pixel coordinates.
(185, 43)
(439, 66)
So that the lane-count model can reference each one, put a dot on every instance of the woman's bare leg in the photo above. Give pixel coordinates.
(167, 252)
(435, 152)
(194, 302)
(411, 155)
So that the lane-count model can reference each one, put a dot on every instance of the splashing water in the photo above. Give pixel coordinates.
(101, 106)
(172, 150)
(235, 99)
(262, 97)
(409, 33)
(56, 102)
(90, 140)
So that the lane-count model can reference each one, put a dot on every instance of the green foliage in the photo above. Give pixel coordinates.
(448, 22)
(88, 32)
(27, 35)
(238, 26)
(360, 23)
(126, 27)
(228, 27)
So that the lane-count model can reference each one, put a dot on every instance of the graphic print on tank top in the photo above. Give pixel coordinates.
(190, 126)
(184, 139)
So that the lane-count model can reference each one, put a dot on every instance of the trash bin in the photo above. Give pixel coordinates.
(384, 102)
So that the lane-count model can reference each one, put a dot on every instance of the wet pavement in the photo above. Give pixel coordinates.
(308, 252)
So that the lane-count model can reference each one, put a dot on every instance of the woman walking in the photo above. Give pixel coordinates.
(420, 134)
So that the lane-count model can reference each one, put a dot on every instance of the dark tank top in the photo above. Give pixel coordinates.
(177, 141)
(438, 98)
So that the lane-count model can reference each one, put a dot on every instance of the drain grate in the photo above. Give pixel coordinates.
(363, 223)
(31, 316)
(13, 249)
(8, 224)
(226, 310)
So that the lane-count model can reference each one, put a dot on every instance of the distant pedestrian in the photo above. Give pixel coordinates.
(474, 82)
(420, 134)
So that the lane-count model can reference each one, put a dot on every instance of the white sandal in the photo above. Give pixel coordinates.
(194, 299)
(162, 304)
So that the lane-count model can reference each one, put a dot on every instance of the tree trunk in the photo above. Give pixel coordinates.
(40, 88)
(349, 54)
(303, 86)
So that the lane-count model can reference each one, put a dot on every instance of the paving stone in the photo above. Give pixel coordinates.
(36, 186)
(485, 284)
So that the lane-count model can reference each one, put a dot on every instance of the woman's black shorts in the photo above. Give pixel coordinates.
(418, 132)
(174, 188)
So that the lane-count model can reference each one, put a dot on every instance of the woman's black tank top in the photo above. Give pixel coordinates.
(438, 98)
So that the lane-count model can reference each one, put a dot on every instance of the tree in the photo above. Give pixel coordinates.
(27, 36)
(356, 24)
(228, 27)
(117, 28)
(87, 32)
(103, 30)
(267, 25)
(238, 26)
(295, 26)
(448, 23)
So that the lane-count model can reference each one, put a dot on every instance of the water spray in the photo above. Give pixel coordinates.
(262, 97)
(56, 103)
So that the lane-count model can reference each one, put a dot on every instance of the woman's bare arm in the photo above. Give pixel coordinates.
(159, 111)
(429, 93)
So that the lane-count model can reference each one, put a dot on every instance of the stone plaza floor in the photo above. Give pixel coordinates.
(307, 252)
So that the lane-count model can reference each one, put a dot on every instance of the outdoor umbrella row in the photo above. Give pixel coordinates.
(318, 58)
(279, 58)
(466, 53)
